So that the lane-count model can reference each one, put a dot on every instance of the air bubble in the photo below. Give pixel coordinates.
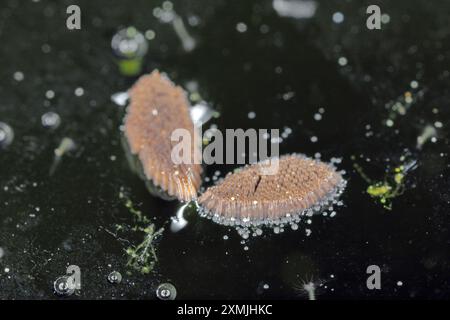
(51, 120)
(64, 286)
(166, 291)
(114, 277)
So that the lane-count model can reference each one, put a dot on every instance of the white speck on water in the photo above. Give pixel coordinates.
(7, 270)
(317, 117)
(438, 124)
(113, 158)
(385, 18)
(155, 112)
(50, 94)
(414, 84)
(266, 286)
(18, 76)
(342, 61)
(150, 34)
(338, 17)
(241, 27)
(399, 283)
(79, 91)
(433, 139)
(314, 139)
(389, 123)
(251, 115)
(225, 237)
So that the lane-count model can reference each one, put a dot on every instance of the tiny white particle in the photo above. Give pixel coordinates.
(18, 76)
(241, 27)
(251, 115)
(79, 91)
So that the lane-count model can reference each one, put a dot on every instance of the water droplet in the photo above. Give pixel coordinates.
(166, 291)
(6, 135)
(114, 277)
(64, 286)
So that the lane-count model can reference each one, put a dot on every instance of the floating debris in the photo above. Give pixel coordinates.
(299, 9)
(114, 277)
(178, 222)
(120, 98)
(201, 113)
(393, 184)
(166, 14)
(143, 257)
(401, 105)
(166, 291)
(6, 135)
(249, 199)
(129, 46)
(428, 133)
(157, 109)
(308, 288)
(66, 145)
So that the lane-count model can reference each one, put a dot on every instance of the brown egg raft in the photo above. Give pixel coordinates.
(247, 199)
(158, 107)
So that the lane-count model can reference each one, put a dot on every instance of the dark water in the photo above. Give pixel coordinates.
(283, 69)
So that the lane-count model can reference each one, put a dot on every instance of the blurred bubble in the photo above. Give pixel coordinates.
(6, 135)
(51, 120)
(166, 291)
(64, 286)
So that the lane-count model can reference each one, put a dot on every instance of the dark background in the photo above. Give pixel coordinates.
(79, 204)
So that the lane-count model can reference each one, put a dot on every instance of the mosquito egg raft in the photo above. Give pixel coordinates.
(158, 108)
(250, 200)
